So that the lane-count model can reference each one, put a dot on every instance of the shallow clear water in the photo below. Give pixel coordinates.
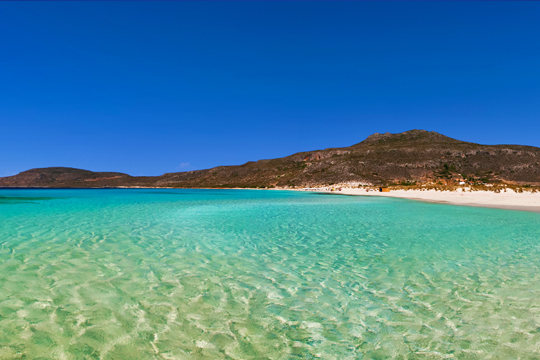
(232, 274)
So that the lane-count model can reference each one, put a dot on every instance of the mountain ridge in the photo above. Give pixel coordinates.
(411, 156)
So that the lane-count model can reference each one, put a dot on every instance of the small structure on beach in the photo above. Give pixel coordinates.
(384, 189)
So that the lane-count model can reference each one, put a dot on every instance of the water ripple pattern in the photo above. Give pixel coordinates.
(239, 274)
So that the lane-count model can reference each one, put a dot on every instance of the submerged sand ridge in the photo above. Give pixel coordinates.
(508, 199)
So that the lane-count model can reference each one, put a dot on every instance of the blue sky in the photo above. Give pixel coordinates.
(154, 87)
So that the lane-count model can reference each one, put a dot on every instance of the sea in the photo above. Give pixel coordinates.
(254, 274)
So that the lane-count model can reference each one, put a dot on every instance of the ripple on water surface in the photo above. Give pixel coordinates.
(198, 274)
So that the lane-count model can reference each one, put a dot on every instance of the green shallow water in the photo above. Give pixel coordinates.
(233, 274)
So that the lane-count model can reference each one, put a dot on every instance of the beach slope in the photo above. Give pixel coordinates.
(509, 199)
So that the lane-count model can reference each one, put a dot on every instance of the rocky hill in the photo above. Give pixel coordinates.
(412, 156)
(59, 176)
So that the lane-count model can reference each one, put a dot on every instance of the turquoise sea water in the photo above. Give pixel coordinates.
(234, 274)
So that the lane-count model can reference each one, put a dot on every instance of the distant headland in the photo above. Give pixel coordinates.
(411, 157)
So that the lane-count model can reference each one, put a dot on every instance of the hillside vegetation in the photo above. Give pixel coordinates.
(406, 158)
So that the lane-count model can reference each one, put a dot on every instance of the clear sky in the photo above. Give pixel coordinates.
(154, 87)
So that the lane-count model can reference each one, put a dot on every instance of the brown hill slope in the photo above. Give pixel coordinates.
(56, 176)
(415, 155)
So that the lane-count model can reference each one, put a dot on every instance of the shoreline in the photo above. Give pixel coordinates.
(508, 200)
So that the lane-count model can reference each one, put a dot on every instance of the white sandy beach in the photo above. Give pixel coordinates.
(504, 200)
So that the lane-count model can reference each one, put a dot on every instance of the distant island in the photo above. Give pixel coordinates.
(411, 157)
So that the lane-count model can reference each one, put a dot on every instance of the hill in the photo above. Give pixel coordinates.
(411, 156)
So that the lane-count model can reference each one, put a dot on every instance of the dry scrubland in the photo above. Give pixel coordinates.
(415, 156)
